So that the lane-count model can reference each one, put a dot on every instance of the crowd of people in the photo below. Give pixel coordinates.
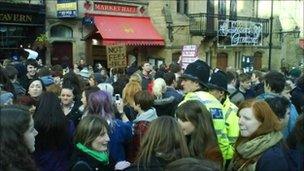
(143, 118)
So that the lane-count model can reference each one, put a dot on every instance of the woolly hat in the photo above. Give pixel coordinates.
(107, 88)
(295, 73)
(85, 73)
(197, 71)
(6, 97)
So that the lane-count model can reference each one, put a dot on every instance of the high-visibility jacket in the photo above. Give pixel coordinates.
(218, 116)
(231, 118)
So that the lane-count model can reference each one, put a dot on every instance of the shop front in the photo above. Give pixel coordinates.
(20, 24)
(119, 24)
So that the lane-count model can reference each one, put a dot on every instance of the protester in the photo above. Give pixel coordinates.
(163, 105)
(295, 139)
(257, 82)
(35, 89)
(274, 83)
(17, 139)
(154, 155)
(194, 82)
(91, 145)
(69, 104)
(281, 108)
(143, 105)
(100, 104)
(54, 141)
(12, 74)
(192, 164)
(197, 126)
(145, 75)
(260, 144)
(297, 95)
(31, 66)
(85, 98)
(128, 98)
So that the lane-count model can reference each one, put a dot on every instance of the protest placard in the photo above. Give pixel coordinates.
(189, 55)
(116, 56)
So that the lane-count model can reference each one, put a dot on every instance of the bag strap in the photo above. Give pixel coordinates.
(234, 93)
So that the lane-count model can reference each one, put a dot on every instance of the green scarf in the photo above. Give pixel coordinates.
(259, 144)
(103, 157)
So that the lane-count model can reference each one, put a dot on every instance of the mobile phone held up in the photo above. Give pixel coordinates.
(117, 97)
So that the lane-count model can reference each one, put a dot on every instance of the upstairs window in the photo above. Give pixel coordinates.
(61, 31)
(182, 6)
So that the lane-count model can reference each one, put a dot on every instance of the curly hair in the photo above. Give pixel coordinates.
(14, 153)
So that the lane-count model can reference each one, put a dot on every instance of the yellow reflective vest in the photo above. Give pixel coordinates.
(232, 120)
(218, 116)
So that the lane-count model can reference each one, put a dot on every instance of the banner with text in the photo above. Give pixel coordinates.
(189, 55)
(116, 56)
(233, 33)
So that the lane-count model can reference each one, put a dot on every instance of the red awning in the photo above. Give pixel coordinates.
(127, 30)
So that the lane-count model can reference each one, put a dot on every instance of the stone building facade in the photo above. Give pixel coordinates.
(173, 20)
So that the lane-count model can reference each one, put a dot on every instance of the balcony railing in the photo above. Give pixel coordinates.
(208, 25)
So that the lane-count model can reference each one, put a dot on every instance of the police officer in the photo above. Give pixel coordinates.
(218, 88)
(194, 84)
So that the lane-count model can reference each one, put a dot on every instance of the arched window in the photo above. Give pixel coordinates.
(61, 31)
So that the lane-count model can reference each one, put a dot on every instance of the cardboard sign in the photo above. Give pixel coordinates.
(189, 55)
(116, 56)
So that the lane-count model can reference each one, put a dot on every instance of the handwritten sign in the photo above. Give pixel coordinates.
(116, 56)
(189, 55)
(241, 32)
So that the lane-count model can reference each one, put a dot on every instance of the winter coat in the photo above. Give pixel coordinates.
(140, 126)
(156, 164)
(80, 161)
(50, 159)
(120, 134)
(293, 114)
(75, 114)
(297, 98)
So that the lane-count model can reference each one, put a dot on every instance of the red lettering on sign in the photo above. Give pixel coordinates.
(115, 8)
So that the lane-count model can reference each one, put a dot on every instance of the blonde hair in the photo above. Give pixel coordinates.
(159, 87)
(135, 77)
(129, 91)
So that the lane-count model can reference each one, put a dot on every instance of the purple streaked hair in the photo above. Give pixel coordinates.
(100, 103)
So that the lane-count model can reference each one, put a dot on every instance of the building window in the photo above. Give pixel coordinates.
(182, 6)
(61, 31)
(233, 9)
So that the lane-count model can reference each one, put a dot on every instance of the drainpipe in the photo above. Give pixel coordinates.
(270, 36)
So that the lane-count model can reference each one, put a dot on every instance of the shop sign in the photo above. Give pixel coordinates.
(15, 18)
(66, 8)
(116, 56)
(240, 33)
(189, 55)
(115, 8)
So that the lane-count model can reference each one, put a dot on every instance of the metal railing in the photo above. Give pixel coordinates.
(208, 24)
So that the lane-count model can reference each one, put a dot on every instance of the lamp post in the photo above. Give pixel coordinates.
(270, 36)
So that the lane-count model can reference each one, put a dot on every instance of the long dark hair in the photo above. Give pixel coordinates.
(164, 139)
(50, 122)
(203, 141)
(14, 154)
